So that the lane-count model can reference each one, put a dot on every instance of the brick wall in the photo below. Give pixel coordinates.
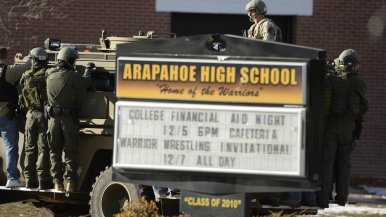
(81, 22)
(359, 24)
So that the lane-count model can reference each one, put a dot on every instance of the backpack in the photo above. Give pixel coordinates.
(279, 36)
(34, 93)
(344, 99)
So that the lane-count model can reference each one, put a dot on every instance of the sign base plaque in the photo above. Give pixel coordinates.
(210, 205)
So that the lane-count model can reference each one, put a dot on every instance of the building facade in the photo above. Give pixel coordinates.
(330, 25)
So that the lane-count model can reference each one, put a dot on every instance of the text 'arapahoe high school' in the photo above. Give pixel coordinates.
(264, 75)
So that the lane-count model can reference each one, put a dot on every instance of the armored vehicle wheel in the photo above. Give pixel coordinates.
(108, 197)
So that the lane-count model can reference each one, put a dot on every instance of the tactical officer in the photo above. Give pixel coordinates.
(63, 86)
(32, 99)
(263, 28)
(296, 199)
(9, 77)
(342, 128)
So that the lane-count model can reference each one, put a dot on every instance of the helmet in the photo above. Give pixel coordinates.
(349, 55)
(38, 54)
(336, 62)
(39, 57)
(68, 55)
(348, 58)
(257, 5)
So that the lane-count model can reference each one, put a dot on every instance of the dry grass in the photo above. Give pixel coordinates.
(142, 208)
(18, 209)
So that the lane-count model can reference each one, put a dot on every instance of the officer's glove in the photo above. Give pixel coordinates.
(87, 73)
(90, 65)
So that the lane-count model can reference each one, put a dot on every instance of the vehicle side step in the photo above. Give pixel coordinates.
(49, 195)
(3, 188)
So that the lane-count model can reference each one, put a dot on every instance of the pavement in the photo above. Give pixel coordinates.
(361, 195)
(362, 201)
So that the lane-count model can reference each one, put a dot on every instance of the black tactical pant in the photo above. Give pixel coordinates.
(63, 137)
(338, 146)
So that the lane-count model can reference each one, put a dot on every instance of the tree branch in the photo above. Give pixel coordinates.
(14, 12)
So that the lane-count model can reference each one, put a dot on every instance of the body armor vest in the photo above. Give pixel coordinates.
(34, 92)
(344, 99)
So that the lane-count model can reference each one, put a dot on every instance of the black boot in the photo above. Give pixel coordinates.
(30, 183)
(45, 184)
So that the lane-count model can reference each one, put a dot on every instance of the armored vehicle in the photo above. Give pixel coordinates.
(94, 185)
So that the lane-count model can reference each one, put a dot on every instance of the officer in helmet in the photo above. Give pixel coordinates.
(9, 77)
(263, 28)
(349, 60)
(343, 128)
(32, 98)
(64, 84)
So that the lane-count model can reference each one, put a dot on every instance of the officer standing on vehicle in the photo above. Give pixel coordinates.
(342, 128)
(263, 28)
(64, 84)
(9, 77)
(32, 99)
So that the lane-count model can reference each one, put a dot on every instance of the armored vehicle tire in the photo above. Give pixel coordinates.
(108, 197)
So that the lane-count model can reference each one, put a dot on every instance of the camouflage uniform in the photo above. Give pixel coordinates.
(339, 142)
(265, 29)
(64, 84)
(37, 160)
